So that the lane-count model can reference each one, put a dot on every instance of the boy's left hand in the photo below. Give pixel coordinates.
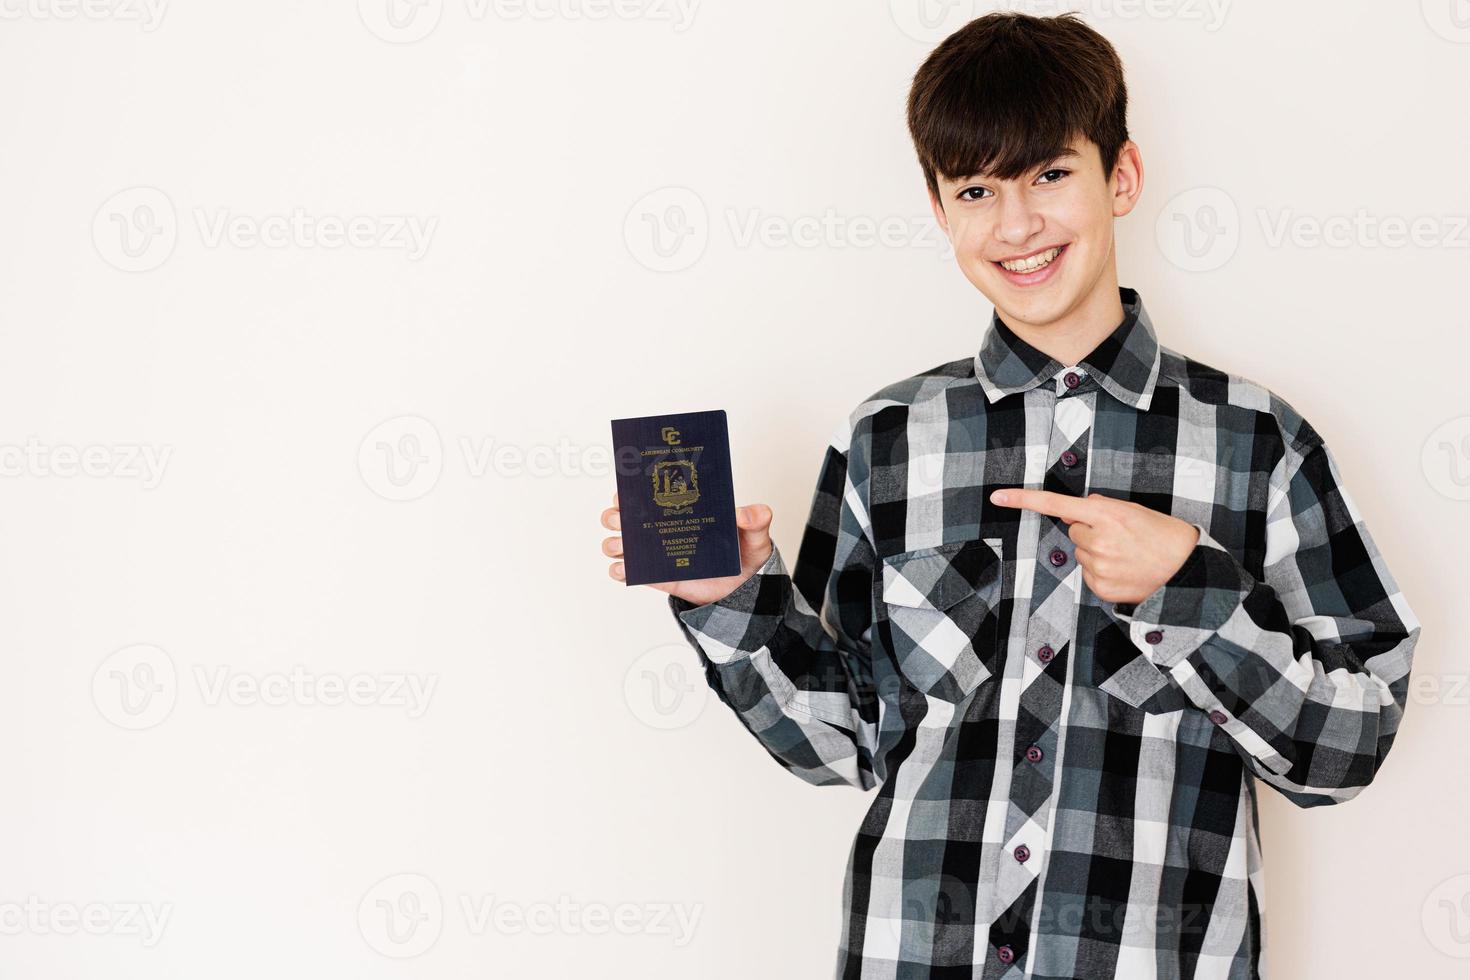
(1125, 549)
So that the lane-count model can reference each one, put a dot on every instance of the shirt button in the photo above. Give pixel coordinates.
(1069, 458)
(1033, 754)
(1072, 379)
(1045, 654)
(1154, 636)
(1219, 717)
(1058, 557)
(1005, 954)
(1022, 852)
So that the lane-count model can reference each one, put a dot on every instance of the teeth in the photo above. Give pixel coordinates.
(1033, 263)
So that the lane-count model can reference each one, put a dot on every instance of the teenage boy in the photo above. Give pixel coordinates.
(1064, 601)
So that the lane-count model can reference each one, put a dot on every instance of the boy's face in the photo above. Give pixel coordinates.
(1062, 211)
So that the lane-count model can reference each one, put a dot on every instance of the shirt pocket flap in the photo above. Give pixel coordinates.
(939, 577)
(1123, 671)
(1136, 682)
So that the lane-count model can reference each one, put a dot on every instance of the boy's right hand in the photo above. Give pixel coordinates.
(754, 524)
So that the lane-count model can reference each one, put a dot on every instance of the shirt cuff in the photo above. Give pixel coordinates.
(744, 620)
(1181, 615)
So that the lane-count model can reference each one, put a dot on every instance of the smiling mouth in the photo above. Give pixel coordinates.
(1032, 263)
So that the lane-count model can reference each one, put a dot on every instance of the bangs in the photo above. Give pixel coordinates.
(1004, 96)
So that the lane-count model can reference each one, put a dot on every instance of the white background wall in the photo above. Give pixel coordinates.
(171, 630)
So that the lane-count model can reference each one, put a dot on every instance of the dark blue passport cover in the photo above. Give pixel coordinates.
(676, 500)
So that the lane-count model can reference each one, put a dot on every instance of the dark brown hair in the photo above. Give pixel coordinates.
(1008, 91)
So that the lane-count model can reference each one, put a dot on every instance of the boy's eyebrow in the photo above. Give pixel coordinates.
(1065, 154)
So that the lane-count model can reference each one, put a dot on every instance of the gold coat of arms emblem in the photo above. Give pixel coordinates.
(675, 483)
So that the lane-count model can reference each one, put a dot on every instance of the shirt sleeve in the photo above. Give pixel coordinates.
(790, 654)
(1307, 668)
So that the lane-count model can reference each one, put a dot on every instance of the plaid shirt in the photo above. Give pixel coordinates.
(1067, 786)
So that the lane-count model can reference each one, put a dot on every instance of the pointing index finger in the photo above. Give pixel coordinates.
(1062, 505)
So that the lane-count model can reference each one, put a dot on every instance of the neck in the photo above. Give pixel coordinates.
(1072, 336)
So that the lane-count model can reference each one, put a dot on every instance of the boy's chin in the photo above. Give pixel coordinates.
(1031, 304)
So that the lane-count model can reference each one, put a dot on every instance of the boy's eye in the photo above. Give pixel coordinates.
(978, 193)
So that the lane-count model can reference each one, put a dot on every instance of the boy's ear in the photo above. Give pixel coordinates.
(1129, 176)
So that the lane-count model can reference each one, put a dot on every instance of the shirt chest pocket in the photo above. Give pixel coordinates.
(1121, 671)
(939, 610)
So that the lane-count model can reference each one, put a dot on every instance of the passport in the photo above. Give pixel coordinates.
(676, 500)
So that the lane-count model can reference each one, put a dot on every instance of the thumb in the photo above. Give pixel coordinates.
(754, 522)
